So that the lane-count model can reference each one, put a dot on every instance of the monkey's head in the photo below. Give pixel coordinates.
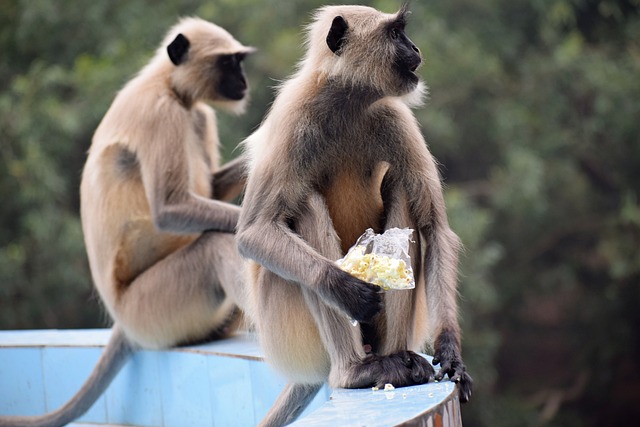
(363, 46)
(206, 64)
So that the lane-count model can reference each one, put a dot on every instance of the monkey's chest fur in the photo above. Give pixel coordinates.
(355, 202)
(348, 148)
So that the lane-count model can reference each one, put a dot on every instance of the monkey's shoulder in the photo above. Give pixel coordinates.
(391, 112)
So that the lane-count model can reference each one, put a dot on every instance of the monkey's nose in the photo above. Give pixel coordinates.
(416, 60)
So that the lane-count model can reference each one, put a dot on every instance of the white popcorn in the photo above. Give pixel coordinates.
(381, 259)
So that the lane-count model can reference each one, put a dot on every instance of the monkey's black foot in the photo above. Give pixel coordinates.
(465, 387)
(457, 372)
(401, 369)
(360, 300)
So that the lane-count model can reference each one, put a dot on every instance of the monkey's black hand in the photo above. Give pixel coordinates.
(360, 300)
(401, 369)
(451, 364)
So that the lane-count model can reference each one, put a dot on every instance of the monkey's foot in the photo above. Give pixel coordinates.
(401, 369)
(451, 365)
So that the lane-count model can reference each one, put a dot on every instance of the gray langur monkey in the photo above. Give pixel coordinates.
(339, 152)
(162, 252)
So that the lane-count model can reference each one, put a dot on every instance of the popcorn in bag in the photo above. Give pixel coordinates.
(381, 259)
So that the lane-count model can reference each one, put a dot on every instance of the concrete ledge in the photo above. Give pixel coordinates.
(225, 383)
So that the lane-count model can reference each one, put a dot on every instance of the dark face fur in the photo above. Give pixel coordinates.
(233, 84)
(224, 75)
(408, 57)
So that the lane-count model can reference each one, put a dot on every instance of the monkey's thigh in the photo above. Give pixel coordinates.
(405, 315)
(287, 331)
(184, 296)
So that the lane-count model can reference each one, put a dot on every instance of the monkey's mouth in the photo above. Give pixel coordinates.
(414, 63)
(411, 65)
(407, 67)
(411, 71)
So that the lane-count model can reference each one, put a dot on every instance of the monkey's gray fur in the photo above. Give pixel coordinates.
(339, 152)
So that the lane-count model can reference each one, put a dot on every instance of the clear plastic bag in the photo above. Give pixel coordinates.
(381, 259)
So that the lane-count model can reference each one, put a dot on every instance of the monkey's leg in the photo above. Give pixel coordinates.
(290, 404)
(184, 296)
(115, 354)
(291, 344)
(401, 306)
(289, 335)
(350, 367)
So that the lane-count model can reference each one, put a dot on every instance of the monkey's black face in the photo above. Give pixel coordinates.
(233, 84)
(408, 57)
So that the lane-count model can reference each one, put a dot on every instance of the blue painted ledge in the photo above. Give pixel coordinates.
(225, 383)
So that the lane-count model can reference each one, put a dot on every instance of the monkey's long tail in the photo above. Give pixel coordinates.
(115, 354)
(290, 404)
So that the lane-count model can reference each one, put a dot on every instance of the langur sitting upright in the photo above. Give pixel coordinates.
(161, 251)
(340, 152)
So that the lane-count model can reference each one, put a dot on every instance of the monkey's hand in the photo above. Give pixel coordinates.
(358, 299)
(451, 364)
(400, 369)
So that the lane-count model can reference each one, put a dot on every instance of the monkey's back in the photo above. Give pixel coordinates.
(121, 238)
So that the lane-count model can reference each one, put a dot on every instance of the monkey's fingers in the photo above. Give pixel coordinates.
(360, 300)
(457, 372)
(465, 385)
(464, 381)
(447, 367)
(448, 356)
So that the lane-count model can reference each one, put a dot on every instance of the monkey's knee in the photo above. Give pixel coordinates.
(296, 352)
(288, 334)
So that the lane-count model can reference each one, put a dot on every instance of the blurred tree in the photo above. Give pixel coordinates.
(537, 103)
(533, 114)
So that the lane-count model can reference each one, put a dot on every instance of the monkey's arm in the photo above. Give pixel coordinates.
(441, 268)
(164, 167)
(440, 273)
(228, 182)
(265, 235)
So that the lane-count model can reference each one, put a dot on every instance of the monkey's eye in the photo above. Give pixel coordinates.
(228, 61)
(395, 33)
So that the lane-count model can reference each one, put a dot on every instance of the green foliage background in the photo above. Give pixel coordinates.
(533, 113)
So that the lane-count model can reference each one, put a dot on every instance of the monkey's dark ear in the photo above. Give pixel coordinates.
(178, 49)
(335, 38)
